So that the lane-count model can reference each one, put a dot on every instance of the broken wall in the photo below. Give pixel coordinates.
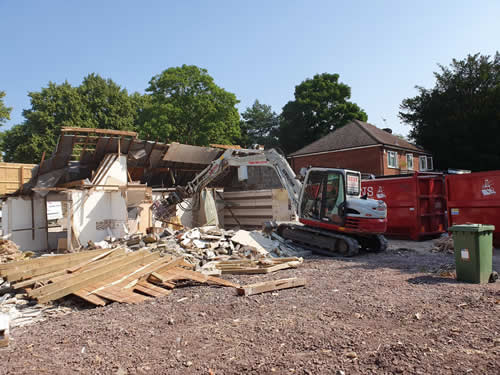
(112, 171)
(98, 214)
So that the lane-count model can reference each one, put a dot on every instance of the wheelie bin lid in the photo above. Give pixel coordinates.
(472, 228)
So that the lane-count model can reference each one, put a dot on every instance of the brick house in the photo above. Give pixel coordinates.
(363, 147)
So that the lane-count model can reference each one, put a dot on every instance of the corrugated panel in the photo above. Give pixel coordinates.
(250, 209)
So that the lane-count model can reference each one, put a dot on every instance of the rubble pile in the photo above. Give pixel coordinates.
(206, 244)
(443, 244)
(9, 252)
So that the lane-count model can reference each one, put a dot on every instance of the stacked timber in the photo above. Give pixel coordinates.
(102, 276)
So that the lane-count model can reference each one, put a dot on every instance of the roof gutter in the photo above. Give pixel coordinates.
(406, 149)
(327, 152)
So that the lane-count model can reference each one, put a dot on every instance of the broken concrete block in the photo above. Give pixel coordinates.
(150, 238)
(257, 240)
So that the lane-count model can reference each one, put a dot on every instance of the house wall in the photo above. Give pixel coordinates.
(17, 222)
(99, 214)
(365, 160)
(402, 167)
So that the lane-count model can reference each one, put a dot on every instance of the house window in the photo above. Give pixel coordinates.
(409, 161)
(426, 163)
(430, 166)
(392, 159)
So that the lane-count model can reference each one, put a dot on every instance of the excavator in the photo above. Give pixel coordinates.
(333, 217)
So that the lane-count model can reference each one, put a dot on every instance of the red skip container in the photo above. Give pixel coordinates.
(475, 198)
(416, 204)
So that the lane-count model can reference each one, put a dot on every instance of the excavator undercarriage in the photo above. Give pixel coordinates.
(329, 243)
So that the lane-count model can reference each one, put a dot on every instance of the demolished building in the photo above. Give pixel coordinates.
(101, 184)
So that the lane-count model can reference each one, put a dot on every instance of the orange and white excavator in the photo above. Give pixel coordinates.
(333, 218)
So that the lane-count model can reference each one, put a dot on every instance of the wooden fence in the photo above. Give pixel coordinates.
(13, 175)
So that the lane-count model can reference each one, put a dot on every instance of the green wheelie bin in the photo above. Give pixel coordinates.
(473, 252)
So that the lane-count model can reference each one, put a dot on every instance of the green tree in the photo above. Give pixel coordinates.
(321, 105)
(259, 125)
(4, 111)
(458, 120)
(96, 103)
(106, 104)
(186, 106)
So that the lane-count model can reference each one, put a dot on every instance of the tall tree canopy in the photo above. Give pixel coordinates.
(4, 110)
(458, 120)
(96, 103)
(321, 105)
(186, 106)
(260, 125)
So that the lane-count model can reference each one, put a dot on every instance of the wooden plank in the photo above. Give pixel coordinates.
(159, 279)
(65, 287)
(38, 279)
(118, 294)
(100, 256)
(93, 299)
(250, 223)
(265, 193)
(99, 131)
(133, 278)
(77, 183)
(120, 280)
(183, 274)
(55, 265)
(269, 286)
(41, 261)
(173, 263)
(254, 271)
(88, 266)
(96, 266)
(151, 289)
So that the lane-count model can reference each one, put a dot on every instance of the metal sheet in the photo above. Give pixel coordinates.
(191, 154)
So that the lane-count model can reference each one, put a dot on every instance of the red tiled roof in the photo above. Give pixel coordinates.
(356, 134)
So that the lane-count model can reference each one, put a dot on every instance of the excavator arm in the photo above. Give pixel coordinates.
(239, 158)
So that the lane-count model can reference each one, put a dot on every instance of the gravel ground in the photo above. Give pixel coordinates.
(380, 313)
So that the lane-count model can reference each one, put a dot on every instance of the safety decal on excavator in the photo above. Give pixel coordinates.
(368, 191)
(487, 188)
(380, 193)
(455, 211)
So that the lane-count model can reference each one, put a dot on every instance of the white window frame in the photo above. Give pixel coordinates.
(425, 163)
(409, 162)
(395, 155)
(430, 164)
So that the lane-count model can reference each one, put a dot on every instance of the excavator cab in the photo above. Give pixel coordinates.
(324, 196)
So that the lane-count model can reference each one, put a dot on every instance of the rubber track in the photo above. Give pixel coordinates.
(353, 244)
(382, 244)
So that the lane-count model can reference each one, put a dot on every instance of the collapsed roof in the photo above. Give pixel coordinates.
(79, 152)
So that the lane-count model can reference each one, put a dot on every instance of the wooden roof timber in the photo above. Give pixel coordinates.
(121, 133)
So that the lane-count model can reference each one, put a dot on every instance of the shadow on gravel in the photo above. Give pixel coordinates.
(428, 279)
(410, 263)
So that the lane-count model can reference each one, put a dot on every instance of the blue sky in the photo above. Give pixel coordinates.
(257, 50)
